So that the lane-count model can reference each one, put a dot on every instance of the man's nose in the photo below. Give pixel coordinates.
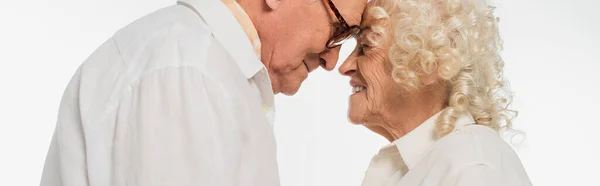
(329, 58)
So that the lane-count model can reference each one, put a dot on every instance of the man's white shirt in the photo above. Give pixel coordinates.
(178, 97)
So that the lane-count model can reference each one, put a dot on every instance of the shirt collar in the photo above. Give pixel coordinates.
(232, 27)
(246, 23)
(414, 145)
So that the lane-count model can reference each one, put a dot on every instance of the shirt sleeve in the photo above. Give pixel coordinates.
(169, 133)
(166, 132)
(65, 162)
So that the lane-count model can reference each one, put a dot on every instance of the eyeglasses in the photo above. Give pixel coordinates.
(343, 34)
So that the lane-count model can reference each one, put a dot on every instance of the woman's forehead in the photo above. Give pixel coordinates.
(368, 20)
(367, 17)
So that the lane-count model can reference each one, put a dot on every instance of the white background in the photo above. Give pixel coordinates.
(551, 53)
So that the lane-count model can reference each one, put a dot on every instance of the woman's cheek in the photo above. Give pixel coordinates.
(380, 77)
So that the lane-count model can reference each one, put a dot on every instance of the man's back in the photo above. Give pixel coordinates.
(162, 103)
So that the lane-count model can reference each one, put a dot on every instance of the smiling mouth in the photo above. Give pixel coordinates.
(358, 88)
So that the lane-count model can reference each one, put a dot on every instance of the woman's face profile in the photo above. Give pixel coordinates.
(373, 89)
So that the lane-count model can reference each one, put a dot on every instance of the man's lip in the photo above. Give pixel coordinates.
(306, 65)
(308, 68)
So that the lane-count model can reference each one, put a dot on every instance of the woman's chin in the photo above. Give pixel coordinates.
(354, 118)
(356, 108)
(354, 122)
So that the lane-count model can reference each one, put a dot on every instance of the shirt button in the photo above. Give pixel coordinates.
(265, 108)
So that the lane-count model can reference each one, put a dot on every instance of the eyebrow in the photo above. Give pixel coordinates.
(336, 25)
(361, 34)
(363, 29)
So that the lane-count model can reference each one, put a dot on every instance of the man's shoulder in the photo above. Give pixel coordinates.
(165, 18)
(159, 29)
(173, 36)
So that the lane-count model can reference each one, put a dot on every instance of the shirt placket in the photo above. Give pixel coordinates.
(266, 94)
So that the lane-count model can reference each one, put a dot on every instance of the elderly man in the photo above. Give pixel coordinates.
(184, 96)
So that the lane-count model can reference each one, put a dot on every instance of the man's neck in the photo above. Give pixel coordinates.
(253, 9)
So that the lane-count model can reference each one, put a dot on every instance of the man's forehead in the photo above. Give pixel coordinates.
(351, 10)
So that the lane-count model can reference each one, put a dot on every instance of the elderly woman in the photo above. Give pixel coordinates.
(427, 76)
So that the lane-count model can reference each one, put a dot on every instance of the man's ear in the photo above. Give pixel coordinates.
(273, 4)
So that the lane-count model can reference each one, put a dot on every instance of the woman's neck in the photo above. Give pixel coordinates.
(395, 123)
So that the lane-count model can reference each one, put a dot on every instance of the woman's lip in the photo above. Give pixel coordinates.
(355, 83)
(354, 93)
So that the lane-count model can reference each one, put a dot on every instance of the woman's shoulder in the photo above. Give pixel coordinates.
(476, 149)
(474, 144)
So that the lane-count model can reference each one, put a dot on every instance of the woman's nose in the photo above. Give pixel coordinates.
(348, 68)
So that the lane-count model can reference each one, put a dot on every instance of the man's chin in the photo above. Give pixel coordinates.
(291, 85)
(290, 91)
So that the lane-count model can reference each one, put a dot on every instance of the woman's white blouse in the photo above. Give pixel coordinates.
(472, 155)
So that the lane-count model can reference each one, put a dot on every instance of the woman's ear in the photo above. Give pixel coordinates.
(273, 4)
(431, 78)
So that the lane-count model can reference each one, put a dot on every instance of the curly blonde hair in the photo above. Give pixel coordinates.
(459, 39)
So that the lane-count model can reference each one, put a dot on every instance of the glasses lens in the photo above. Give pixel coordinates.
(339, 39)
